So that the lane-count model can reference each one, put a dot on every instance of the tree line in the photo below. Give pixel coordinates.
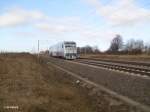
(132, 46)
(117, 46)
(88, 50)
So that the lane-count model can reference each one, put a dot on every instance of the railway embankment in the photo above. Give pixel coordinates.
(132, 87)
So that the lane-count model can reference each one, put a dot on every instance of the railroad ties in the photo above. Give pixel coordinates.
(129, 68)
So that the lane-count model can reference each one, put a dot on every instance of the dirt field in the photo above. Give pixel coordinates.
(30, 85)
(144, 58)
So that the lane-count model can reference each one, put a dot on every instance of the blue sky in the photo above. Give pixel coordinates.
(93, 22)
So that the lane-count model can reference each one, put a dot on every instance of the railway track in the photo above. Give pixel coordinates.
(139, 63)
(133, 104)
(135, 88)
(130, 68)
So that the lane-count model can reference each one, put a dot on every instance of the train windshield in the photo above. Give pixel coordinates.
(70, 45)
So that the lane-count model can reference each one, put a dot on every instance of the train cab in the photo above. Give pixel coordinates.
(70, 50)
(66, 50)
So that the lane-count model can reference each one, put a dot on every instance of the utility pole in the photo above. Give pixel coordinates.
(38, 48)
(85, 51)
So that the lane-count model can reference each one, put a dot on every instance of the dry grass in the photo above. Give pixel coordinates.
(120, 57)
(34, 87)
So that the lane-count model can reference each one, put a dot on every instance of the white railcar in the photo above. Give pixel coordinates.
(66, 49)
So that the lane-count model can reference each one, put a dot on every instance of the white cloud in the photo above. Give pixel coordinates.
(75, 27)
(63, 25)
(105, 35)
(18, 16)
(62, 28)
(121, 12)
(51, 25)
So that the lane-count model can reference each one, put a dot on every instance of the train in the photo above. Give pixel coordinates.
(65, 49)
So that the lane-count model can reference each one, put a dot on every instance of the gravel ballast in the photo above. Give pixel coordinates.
(134, 87)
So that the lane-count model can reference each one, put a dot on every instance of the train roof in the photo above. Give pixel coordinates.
(64, 42)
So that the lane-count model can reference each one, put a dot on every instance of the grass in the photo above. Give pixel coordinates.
(119, 57)
(35, 87)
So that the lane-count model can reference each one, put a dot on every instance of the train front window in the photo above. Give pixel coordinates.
(68, 46)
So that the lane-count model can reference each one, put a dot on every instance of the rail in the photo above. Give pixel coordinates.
(108, 91)
(118, 66)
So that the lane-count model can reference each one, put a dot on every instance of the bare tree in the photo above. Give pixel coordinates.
(116, 44)
(130, 45)
(135, 46)
(147, 49)
(96, 50)
(85, 50)
(88, 50)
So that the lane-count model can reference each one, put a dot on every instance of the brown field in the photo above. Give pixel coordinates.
(32, 86)
(119, 57)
